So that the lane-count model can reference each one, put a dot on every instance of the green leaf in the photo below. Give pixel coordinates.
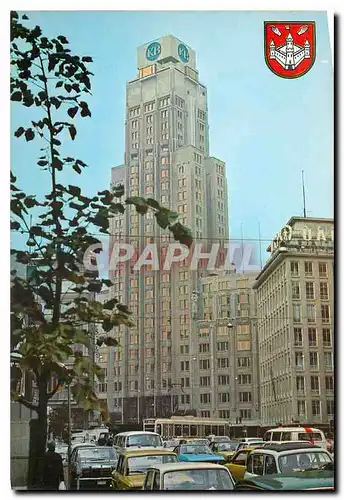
(152, 203)
(16, 96)
(87, 59)
(107, 283)
(140, 204)
(15, 225)
(57, 163)
(29, 134)
(110, 304)
(110, 342)
(30, 202)
(118, 191)
(162, 219)
(182, 234)
(42, 163)
(72, 132)
(59, 84)
(124, 309)
(73, 111)
(74, 190)
(19, 132)
(25, 17)
(94, 287)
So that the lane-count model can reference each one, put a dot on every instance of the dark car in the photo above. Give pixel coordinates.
(315, 480)
(91, 468)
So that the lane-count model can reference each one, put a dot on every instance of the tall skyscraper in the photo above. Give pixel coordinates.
(166, 158)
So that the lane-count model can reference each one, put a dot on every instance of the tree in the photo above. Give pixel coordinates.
(47, 77)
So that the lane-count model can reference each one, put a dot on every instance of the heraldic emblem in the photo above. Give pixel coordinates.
(289, 47)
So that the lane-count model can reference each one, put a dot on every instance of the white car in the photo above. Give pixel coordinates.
(188, 477)
(137, 439)
(284, 458)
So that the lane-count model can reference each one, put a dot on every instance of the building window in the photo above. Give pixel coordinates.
(205, 398)
(327, 341)
(298, 337)
(329, 383)
(322, 269)
(223, 363)
(184, 349)
(164, 113)
(301, 408)
(312, 337)
(244, 345)
(222, 346)
(330, 407)
(325, 313)
(313, 359)
(300, 384)
(134, 111)
(204, 364)
(245, 414)
(245, 397)
(204, 348)
(295, 290)
(309, 268)
(164, 136)
(244, 379)
(184, 366)
(296, 313)
(224, 397)
(294, 268)
(311, 313)
(315, 407)
(315, 384)
(204, 381)
(323, 290)
(299, 360)
(205, 414)
(223, 379)
(244, 362)
(224, 414)
(309, 290)
(243, 329)
(149, 106)
(164, 102)
(328, 361)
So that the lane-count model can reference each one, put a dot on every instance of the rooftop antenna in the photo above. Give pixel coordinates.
(304, 195)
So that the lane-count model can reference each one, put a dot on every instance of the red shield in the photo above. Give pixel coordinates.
(289, 47)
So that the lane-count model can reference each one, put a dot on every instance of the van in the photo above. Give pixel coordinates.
(137, 439)
(310, 434)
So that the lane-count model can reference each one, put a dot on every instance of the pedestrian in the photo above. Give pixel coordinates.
(52, 469)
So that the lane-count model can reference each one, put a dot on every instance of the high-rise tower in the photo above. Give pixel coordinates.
(166, 158)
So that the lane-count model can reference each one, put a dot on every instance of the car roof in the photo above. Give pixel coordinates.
(133, 433)
(186, 465)
(294, 429)
(83, 445)
(289, 446)
(147, 451)
(299, 480)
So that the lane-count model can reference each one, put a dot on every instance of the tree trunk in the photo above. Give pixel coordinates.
(38, 439)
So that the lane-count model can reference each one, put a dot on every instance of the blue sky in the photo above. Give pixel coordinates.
(267, 129)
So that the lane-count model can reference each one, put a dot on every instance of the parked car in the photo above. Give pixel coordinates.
(202, 441)
(249, 444)
(286, 458)
(184, 476)
(217, 439)
(77, 446)
(91, 467)
(197, 453)
(310, 434)
(132, 466)
(302, 481)
(237, 463)
(171, 444)
(136, 439)
(249, 439)
(225, 449)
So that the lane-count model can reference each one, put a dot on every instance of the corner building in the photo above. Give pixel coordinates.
(295, 325)
(166, 158)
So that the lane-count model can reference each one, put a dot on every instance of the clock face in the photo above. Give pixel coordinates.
(183, 53)
(153, 51)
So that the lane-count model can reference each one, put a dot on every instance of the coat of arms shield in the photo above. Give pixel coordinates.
(289, 47)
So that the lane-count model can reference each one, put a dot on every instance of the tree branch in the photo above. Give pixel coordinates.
(26, 403)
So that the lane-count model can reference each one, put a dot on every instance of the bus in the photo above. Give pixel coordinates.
(187, 426)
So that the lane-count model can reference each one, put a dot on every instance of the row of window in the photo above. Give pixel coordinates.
(312, 337)
(315, 383)
(315, 407)
(310, 290)
(314, 360)
(308, 268)
(311, 313)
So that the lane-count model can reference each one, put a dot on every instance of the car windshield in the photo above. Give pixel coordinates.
(301, 461)
(220, 439)
(95, 454)
(198, 479)
(195, 449)
(227, 446)
(203, 442)
(139, 465)
(171, 444)
(144, 440)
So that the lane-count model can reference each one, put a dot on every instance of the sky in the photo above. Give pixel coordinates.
(267, 129)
